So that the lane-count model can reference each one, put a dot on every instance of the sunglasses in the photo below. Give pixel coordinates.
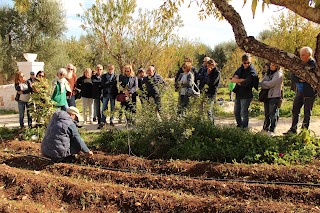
(70, 69)
(246, 63)
(41, 75)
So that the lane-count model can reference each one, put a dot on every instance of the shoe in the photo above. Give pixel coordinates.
(94, 119)
(271, 134)
(79, 125)
(101, 126)
(112, 124)
(120, 121)
(290, 131)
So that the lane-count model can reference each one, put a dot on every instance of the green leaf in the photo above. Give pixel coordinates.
(317, 3)
(254, 7)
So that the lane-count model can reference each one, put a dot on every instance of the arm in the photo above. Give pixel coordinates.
(247, 81)
(75, 138)
(276, 80)
(236, 79)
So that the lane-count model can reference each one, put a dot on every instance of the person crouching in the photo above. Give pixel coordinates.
(62, 139)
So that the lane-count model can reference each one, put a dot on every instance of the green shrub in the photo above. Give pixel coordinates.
(8, 134)
(195, 137)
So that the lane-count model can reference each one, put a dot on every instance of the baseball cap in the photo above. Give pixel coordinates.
(74, 111)
(206, 59)
(32, 73)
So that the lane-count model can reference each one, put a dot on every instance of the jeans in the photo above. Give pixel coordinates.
(271, 114)
(210, 109)
(22, 106)
(299, 101)
(71, 101)
(97, 109)
(105, 107)
(241, 112)
(183, 104)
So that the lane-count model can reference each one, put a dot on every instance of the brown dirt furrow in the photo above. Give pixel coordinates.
(52, 190)
(264, 172)
(191, 186)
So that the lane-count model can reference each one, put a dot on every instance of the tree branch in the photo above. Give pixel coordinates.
(257, 48)
(301, 8)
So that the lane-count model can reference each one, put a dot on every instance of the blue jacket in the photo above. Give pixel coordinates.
(109, 85)
(62, 138)
(154, 84)
(308, 91)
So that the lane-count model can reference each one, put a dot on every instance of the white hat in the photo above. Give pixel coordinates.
(74, 111)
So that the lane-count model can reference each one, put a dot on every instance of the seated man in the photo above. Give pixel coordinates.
(62, 139)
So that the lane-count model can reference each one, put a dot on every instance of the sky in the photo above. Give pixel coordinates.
(210, 31)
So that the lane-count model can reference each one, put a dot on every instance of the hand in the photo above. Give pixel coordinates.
(89, 154)
(20, 92)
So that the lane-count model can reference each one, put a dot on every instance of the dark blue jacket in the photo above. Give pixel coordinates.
(308, 91)
(109, 85)
(244, 90)
(61, 135)
(154, 85)
(213, 80)
(129, 83)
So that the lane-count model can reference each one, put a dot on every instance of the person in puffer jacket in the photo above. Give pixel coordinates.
(62, 139)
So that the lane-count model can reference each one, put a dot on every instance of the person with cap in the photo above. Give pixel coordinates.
(200, 76)
(62, 139)
(32, 77)
(209, 85)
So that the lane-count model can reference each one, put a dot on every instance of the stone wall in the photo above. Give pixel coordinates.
(7, 95)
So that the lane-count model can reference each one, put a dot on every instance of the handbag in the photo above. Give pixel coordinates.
(263, 95)
(193, 91)
(121, 97)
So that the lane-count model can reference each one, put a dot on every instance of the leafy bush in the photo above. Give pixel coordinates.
(195, 137)
(8, 134)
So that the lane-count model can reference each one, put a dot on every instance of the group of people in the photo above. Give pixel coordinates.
(97, 89)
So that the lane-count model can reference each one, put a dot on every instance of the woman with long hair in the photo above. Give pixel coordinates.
(23, 88)
(128, 86)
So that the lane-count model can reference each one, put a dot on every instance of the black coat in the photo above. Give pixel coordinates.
(96, 88)
(154, 85)
(85, 85)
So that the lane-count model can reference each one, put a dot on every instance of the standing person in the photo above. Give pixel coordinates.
(244, 78)
(96, 93)
(305, 94)
(141, 76)
(185, 81)
(201, 76)
(23, 89)
(180, 71)
(84, 83)
(109, 93)
(60, 88)
(273, 82)
(154, 84)
(128, 86)
(62, 139)
(72, 79)
(213, 80)
(32, 77)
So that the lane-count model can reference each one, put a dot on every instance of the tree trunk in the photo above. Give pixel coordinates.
(257, 48)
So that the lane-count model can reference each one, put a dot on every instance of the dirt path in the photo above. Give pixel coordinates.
(255, 124)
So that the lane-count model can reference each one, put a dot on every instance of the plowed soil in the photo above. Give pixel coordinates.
(122, 183)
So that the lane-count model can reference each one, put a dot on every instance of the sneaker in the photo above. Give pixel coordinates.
(271, 134)
(112, 124)
(94, 119)
(290, 131)
(79, 125)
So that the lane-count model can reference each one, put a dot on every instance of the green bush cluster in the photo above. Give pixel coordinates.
(194, 137)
